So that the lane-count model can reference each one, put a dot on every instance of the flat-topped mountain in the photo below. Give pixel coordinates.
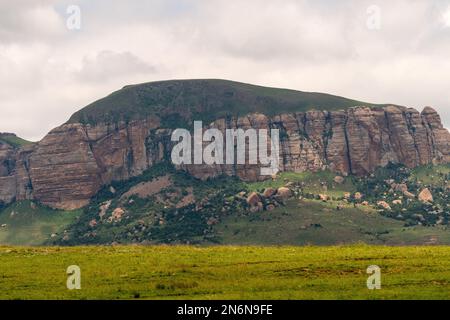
(128, 132)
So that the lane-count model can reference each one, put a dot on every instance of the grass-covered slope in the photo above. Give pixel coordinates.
(186, 272)
(27, 223)
(13, 140)
(311, 222)
(179, 100)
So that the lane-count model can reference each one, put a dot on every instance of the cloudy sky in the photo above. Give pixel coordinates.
(379, 51)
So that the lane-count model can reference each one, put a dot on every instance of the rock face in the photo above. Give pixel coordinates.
(71, 164)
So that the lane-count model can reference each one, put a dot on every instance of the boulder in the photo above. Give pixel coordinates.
(117, 214)
(358, 196)
(103, 208)
(384, 205)
(284, 193)
(269, 192)
(425, 195)
(339, 179)
(324, 197)
(253, 199)
(409, 195)
(257, 208)
(419, 217)
(401, 187)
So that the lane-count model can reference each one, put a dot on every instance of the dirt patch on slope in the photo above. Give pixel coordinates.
(146, 189)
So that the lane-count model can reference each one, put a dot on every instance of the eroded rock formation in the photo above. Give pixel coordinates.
(71, 164)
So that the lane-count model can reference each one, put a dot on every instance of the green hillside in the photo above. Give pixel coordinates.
(27, 223)
(13, 140)
(180, 101)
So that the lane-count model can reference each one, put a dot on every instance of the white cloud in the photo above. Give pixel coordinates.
(108, 65)
(446, 18)
(48, 72)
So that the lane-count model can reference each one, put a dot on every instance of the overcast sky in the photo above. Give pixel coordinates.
(48, 71)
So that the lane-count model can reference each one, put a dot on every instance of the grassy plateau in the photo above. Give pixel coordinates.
(225, 272)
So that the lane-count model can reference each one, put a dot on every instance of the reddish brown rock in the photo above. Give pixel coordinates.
(253, 199)
(401, 187)
(384, 205)
(117, 214)
(269, 192)
(72, 163)
(425, 195)
(339, 180)
(284, 193)
(409, 195)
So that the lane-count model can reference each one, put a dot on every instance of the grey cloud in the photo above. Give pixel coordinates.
(29, 21)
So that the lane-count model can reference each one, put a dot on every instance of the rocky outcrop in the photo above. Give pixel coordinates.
(7, 178)
(71, 164)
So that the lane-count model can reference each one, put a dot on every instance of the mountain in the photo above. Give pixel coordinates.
(127, 133)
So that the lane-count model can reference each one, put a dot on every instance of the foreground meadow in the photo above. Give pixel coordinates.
(184, 272)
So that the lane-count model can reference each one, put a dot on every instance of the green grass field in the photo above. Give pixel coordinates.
(183, 272)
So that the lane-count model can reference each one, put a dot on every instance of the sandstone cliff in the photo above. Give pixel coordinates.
(66, 168)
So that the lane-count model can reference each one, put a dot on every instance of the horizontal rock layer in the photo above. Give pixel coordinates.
(71, 164)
